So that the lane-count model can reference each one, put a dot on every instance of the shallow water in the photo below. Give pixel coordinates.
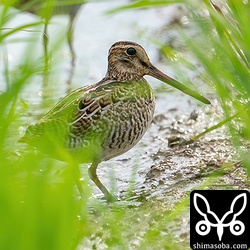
(94, 33)
(163, 168)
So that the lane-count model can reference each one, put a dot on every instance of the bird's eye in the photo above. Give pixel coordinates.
(131, 51)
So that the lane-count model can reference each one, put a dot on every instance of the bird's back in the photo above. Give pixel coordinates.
(100, 122)
(47, 9)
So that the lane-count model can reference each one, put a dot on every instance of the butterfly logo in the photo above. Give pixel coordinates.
(210, 219)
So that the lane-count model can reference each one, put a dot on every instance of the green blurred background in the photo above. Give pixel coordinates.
(40, 207)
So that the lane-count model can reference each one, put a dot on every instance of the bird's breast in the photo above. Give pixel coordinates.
(113, 121)
(130, 120)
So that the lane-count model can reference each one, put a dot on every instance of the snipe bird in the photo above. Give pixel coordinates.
(46, 9)
(98, 122)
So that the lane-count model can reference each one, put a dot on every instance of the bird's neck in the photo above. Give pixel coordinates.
(122, 74)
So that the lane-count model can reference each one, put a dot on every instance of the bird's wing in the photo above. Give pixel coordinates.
(66, 105)
(84, 105)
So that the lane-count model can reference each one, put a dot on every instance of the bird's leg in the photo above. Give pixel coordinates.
(70, 40)
(79, 187)
(46, 64)
(45, 45)
(78, 182)
(76, 176)
(72, 52)
(93, 176)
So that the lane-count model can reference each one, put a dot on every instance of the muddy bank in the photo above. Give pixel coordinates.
(166, 164)
(164, 168)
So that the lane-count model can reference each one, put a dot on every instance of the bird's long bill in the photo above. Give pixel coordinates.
(167, 79)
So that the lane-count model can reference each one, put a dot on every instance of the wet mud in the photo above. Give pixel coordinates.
(155, 178)
(167, 163)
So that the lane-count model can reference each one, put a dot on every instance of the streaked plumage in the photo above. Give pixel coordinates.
(105, 119)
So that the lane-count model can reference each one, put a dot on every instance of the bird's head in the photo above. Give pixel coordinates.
(128, 61)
